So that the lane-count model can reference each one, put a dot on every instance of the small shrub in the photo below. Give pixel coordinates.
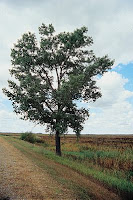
(29, 137)
(39, 140)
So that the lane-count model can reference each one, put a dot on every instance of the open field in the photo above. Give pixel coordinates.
(104, 160)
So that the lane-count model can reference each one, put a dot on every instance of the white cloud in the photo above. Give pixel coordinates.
(116, 112)
(112, 89)
(10, 122)
(110, 23)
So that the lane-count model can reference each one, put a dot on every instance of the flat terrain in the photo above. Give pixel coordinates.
(25, 174)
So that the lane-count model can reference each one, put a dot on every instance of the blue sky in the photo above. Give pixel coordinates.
(127, 71)
(110, 23)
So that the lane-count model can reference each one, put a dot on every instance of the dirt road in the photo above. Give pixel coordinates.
(20, 178)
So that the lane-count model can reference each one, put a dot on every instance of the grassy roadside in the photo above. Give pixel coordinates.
(122, 186)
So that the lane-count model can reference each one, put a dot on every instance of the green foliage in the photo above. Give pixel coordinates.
(29, 137)
(52, 76)
(36, 97)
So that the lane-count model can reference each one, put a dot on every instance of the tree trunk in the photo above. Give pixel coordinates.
(58, 146)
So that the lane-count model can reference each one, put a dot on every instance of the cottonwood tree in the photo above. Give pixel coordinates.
(52, 76)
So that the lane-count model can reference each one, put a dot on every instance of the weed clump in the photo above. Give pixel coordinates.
(29, 137)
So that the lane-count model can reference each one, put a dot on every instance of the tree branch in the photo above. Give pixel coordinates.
(48, 106)
(48, 79)
(58, 78)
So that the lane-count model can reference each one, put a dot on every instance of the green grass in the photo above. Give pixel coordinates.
(114, 182)
(93, 154)
(122, 185)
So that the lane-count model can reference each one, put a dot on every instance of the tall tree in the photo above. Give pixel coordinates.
(52, 75)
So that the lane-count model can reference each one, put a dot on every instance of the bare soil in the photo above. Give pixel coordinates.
(20, 178)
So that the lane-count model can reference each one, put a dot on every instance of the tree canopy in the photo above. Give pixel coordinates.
(51, 75)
